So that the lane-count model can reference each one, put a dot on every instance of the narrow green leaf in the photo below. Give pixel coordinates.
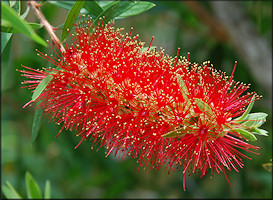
(203, 106)
(33, 190)
(254, 123)
(123, 7)
(105, 4)
(108, 13)
(10, 192)
(6, 64)
(23, 16)
(259, 131)
(246, 134)
(16, 5)
(247, 111)
(5, 37)
(63, 4)
(47, 194)
(9, 28)
(137, 8)
(256, 116)
(71, 17)
(36, 124)
(178, 132)
(19, 24)
(93, 8)
(42, 85)
(255, 119)
(183, 87)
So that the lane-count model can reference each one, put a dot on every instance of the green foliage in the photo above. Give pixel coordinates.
(86, 173)
(10, 17)
(32, 189)
(71, 17)
(10, 192)
(36, 124)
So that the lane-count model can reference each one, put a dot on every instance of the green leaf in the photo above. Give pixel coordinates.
(5, 37)
(256, 116)
(9, 28)
(42, 85)
(137, 8)
(63, 4)
(259, 131)
(10, 192)
(183, 87)
(6, 64)
(123, 7)
(19, 24)
(93, 8)
(108, 13)
(16, 5)
(203, 106)
(247, 111)
(178, 132)
(47, 194)
(33, 190)
(71, 17)
(23, 16)
(36, 124)
(255, 119)
(246, 134)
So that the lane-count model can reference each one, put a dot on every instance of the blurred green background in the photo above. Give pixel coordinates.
(86, 173)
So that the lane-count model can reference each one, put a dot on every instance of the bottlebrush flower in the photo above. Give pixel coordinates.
(142, 103)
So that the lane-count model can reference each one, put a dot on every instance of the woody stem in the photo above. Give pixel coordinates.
(46, 24)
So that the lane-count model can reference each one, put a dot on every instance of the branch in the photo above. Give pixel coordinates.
(45, 23)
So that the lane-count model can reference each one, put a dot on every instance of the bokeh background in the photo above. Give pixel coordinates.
(222, 32)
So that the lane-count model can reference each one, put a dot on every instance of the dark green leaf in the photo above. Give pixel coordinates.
(33, 190)
(71, 17)
(10, 192)
(5, 37)
(8, 28)
(36, 124)
(93, 8)
(123, 7)
(40, 88)
(8, 14)
(108, 13)
(246, 134)
(63, 4)
(137, 8)
(247, 111)
(203, 106)
(105, 4)
(47, 194)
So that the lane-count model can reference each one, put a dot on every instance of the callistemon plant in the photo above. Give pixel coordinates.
(140, 102)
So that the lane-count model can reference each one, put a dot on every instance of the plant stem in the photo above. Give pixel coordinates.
(46, 24)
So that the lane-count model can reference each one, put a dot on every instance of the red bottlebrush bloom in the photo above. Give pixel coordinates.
(143, 103)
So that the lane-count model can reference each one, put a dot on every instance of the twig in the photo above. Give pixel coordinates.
(46, 24)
